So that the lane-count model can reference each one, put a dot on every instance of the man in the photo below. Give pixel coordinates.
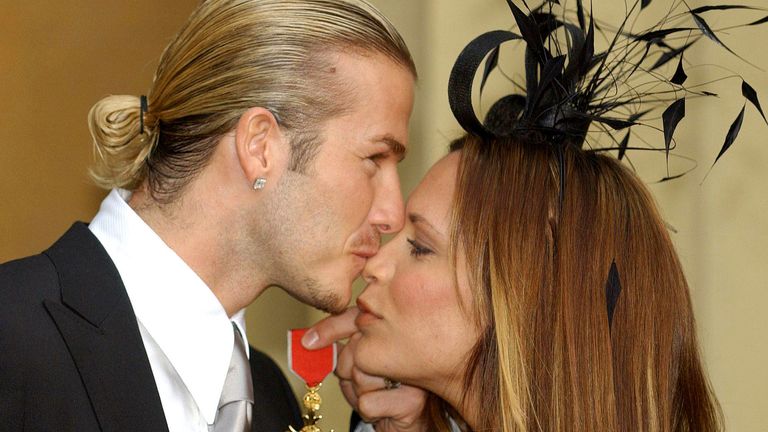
(265, 154)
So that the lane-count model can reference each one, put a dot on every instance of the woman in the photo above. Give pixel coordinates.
(493, 298)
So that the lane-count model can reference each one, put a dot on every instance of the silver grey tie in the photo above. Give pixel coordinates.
(236, 403)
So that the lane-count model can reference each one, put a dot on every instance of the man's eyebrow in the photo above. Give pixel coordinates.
(394, 145)
(418, 219)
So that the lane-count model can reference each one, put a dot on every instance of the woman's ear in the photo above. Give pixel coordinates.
(260, 145)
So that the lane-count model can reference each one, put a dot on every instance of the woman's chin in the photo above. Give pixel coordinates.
(374, 358)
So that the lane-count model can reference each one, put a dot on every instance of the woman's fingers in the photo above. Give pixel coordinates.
(399, 409)
(353, 378)
(365, 383)
(348, 390)
(331, 329)
(345, 360)
(392, 409)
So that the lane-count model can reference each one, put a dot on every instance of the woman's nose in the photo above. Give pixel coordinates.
(380, 267)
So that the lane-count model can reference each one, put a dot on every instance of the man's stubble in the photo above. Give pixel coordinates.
(286, 231)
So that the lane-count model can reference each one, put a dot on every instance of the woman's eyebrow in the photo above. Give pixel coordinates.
(418, 219)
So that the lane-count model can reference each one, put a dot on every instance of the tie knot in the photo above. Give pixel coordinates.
(238, 385)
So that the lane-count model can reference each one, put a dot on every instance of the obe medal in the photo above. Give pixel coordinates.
(312, 366)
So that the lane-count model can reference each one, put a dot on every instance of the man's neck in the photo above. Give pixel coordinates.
(206, 242)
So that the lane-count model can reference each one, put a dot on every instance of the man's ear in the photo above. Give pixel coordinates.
(259, 144)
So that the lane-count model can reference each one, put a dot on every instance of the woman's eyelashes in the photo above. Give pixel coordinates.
(418, 250)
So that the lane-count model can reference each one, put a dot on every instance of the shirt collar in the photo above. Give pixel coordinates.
(176, 307)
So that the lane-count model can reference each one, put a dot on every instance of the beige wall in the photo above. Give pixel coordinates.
(57, 59)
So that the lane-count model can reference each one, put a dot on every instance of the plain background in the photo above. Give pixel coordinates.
(58, 58)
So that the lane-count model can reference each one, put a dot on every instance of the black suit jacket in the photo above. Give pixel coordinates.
(71, 355)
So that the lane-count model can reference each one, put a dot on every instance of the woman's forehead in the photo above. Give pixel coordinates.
(432, 198)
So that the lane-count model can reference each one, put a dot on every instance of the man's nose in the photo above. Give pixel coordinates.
(388, 211)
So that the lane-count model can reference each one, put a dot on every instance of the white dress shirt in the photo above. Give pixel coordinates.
(186, 331)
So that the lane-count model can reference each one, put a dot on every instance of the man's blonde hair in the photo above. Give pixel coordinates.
(230, 56)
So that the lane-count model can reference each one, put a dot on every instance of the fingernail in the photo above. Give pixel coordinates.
(310, 339)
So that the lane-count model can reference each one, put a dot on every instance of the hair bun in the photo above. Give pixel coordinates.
(120, 146)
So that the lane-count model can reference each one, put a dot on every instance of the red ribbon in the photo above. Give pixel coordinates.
(310, 365)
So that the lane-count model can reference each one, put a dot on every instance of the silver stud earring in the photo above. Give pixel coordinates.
(259, 183)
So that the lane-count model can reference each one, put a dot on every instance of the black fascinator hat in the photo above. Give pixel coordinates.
(571, 89)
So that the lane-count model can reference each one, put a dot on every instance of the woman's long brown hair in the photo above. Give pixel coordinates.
(539, 261)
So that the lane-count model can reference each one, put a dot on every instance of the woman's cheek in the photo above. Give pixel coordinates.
(434, 333)
(419, 295)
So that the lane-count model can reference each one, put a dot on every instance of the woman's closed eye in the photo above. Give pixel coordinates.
(418, 250)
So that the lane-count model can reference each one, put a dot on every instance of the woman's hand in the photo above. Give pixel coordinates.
(389, 409)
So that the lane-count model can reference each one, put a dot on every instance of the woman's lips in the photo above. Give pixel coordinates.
(366, 316)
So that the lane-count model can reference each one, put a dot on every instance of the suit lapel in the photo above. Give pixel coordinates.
(97, 322)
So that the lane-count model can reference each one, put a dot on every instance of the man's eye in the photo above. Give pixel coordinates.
(375, 158)
(417, 250)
